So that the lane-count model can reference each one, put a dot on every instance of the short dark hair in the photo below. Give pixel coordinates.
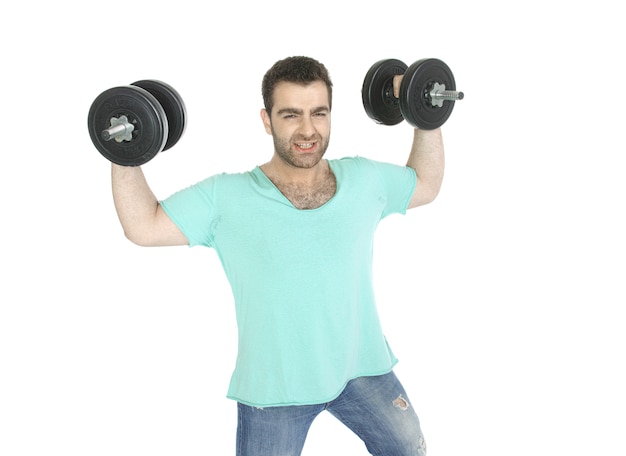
(298, 69)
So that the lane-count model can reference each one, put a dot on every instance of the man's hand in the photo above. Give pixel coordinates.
(397, 80)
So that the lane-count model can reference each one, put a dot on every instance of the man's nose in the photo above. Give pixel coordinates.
(307, 128)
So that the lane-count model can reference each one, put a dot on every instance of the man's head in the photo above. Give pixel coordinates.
(299, 70)
(297, 92)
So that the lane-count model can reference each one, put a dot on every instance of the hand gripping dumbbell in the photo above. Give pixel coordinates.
(130, 125)
(427, 93)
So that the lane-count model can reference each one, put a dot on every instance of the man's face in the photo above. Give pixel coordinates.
(299, 123)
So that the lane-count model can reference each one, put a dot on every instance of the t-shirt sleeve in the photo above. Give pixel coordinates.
(397, 185)
(191, 209)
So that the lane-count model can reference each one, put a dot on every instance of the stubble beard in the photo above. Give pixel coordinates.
(283, 148)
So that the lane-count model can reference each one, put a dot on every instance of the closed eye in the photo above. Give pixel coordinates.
(289, 113)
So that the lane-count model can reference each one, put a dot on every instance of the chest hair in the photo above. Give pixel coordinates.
(309, 196)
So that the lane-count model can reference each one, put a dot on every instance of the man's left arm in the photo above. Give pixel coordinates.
(427, 159)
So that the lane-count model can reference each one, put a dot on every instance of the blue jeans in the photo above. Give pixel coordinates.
(376, 409)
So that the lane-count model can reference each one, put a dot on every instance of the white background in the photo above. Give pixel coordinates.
(502, 299)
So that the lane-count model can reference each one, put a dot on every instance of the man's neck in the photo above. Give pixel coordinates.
(277, 170)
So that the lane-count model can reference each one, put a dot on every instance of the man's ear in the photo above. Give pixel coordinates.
(267, 122)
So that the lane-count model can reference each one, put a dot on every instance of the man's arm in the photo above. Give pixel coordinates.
(143, 219)
(427, 159)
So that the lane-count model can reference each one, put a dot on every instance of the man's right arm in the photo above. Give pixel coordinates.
(143, 219)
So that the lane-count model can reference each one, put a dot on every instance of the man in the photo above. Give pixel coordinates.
(295, 238)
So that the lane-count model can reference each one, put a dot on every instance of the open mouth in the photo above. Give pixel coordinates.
(306, 146)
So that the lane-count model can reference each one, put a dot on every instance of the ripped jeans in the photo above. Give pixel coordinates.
(376, 409)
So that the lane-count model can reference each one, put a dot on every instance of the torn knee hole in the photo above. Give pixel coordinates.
(401, 403)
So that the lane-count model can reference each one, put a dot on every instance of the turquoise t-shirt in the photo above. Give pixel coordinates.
(301, 279)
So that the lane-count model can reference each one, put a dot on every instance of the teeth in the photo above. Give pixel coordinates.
(305, 145)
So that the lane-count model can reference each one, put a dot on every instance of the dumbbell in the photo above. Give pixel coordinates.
(130, 125)
(427, 93)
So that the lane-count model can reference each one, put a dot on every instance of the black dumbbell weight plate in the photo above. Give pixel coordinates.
(378, 100)
(415, 101)
(173, 106)
(143, 111)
